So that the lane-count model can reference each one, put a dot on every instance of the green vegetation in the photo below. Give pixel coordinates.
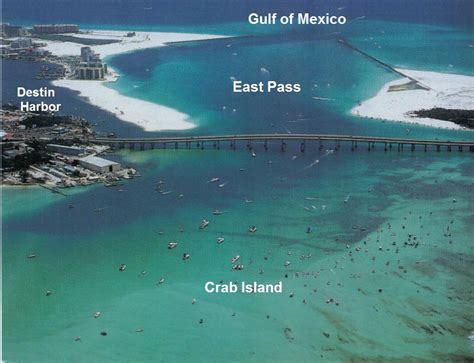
(22, 162)
(461, 117)
(84, 41)
(44, 121)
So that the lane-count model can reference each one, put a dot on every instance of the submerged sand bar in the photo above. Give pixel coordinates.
(148, 115)
(397, 100)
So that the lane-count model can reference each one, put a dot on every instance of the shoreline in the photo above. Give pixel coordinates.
(397, 100)
(148, 115)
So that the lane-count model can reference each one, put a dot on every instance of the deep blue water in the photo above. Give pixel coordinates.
(186, 12)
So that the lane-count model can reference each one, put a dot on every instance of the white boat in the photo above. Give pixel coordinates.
(172, 245)
(253, 154)
(238, 267)
(186, 256)
(213, 180)
(97, 314)
(253, 229)
(287, 263)
(223, 184)
(216, 212)
(220, 240)
(122, 267)
(204, 224)
(235, 258)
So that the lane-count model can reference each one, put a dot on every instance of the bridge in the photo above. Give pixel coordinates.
(216, 141)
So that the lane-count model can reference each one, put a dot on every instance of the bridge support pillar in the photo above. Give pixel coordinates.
(471, 149)
(265, 146)
(352, 145)
(302, 147)
(368, 146)
(249, 145)
(131, 146)
(142, 146)
(438, 148)
(283, 145)
(176, 145)
(390, 146)
(412, 147)
(232, 145)
(460, 148)
(426, 148)
(385, 147)
(218, 145)
(449, 148)
(121, 145)
(164, 145)
(202, 145)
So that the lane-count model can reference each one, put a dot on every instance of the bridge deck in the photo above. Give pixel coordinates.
(282, 137)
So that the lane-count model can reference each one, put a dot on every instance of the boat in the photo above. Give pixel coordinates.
(180, 195)
(220, 240)
(235, 258)
(253, 229)
(186, 256)
(97, 314)
(204, 224)
(253, 154)
(165, 193)
(248, 200)
(309, 229)
(213, 180)
(161, 280)
(172, 245)
(216, 212)
(223, 184)
(287, 263)
(238, 267)
(122, 267)
(31, 255)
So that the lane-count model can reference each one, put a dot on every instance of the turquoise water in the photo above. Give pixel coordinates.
(424, 308)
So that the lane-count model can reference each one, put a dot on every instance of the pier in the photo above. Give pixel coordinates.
(281, 141)
(380, 62)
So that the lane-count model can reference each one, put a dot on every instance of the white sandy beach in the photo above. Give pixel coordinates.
(448, 91)
(148, 115)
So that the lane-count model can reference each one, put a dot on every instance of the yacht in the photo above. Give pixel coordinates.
(122, 267)
(287, 263)
(204, 224)
(253, 229)
(235, 258)
(172, 245)
(213, 180)
(186, 256)
(220, 240)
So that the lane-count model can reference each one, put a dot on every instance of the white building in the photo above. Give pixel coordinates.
(99, 165)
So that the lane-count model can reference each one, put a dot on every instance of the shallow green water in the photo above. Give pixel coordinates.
(424, 305)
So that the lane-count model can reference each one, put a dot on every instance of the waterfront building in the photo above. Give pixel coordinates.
(66, 150)
(91, 66)
(99, 165)
(55, 28)
(22, 43)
